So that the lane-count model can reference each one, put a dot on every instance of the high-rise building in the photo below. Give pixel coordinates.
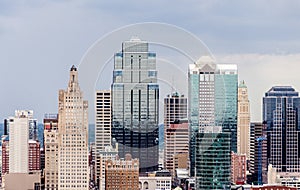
(73, 166)
(102, 128)
(103, 119)
(122, 174)
(18, 141)
(201, 102)
(176, 144)
(213, 161)
(175, 108)
(212, 100)
(51, 151)
(257, 130)
(34, 155)
(135, 103)
(281, 106)
(226, 92)
(5, 154)
(243, 126)
(238, 168)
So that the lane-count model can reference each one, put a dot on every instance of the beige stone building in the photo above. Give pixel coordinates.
(73, 168)
(122, 174)
(243, 127)
(51, 151)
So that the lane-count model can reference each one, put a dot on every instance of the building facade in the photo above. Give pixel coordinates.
(5, 154)
(34, 155)
(177, 146)
(73, 166)
(135, 103)
(18, 141)
(238, 168)
(243, 124)
(201, 104)
(226, 91)
(122, 174)
(281, 106)
(51, 151)
(213, 161)
(258, 129)
(156, 180)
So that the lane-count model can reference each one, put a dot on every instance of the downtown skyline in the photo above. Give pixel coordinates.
(259, 38)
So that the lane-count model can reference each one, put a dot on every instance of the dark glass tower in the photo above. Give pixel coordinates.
(281, 106)
(135, 103)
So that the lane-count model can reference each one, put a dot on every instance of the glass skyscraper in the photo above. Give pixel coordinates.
(213, 161)
(226, 93)
(135, 103)
(281, 106)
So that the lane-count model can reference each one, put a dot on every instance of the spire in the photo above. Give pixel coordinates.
(73, 68)
(73, 82)
(242, 84)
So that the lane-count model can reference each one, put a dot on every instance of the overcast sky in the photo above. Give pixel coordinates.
(40, 40)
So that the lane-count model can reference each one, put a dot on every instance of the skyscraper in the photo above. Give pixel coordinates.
(212, 100)
(102, 127)
(226, 91)
(51, 151)
(213, 161)
(18, 141)
(73, 172)
(281, 106)
(135, 103)
(243, 127)
(201, 103)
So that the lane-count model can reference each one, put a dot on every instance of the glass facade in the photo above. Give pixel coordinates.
(213, 161)
(281, 106)
(135, 103)
(226, 91)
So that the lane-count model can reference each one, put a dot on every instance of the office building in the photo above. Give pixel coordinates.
(226, 92)
(175, 108)
(122, 173)
(5, 154)
(243, 126)
(103, 119)
(281, 106)
(213, 161)
(51, 151)
(73, 166)
(201, 104)
(257, 130)
(135, 103)
(18, 141)
(238, 168)
(177, 146)
(34, 155)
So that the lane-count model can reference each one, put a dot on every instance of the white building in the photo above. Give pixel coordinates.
(73, 167)
(18, 141)
(159, 180)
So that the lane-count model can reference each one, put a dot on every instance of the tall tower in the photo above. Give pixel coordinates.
(201, 78)
(135, 103)
(73, 172)
(175, 109)
(51, 151)
(281, 106)
(243, 127)
(226, 93)
(18, 141)
(102, 132)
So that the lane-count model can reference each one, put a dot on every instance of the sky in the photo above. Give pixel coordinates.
(41, 39)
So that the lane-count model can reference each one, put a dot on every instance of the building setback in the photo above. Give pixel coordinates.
(73, 166)
(135, 103)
